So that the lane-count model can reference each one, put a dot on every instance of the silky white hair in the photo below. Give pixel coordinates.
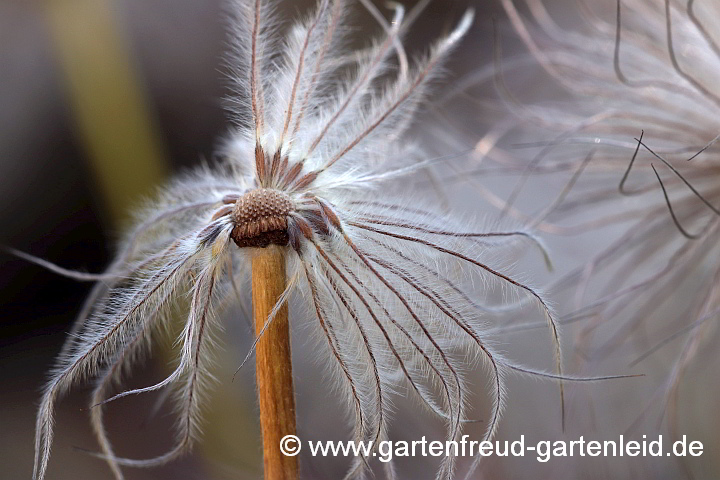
(398, 288)
(634, 132)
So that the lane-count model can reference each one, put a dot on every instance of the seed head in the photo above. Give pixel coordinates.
(260, 218)
(320, 164)
(642, 113)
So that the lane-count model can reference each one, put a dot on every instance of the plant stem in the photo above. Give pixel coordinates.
(273, 363)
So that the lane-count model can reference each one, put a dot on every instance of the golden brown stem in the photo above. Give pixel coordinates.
(273, 364)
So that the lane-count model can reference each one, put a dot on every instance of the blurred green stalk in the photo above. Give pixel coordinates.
(108, 105)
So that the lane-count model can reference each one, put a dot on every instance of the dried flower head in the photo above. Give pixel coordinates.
(310, 171)
(644, 99)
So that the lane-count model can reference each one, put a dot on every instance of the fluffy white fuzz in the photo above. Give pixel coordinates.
(643, 97)
(396, 287)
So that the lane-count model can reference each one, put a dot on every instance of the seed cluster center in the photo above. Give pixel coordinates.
(260, 218)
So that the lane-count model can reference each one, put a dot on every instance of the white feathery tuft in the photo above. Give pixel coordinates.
(390, 280)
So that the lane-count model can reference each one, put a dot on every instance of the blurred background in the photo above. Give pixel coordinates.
(101, 101)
